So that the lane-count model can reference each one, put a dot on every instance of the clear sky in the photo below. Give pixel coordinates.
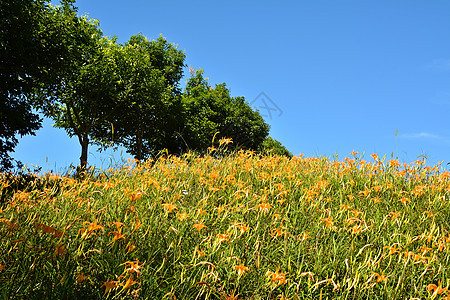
(338, 76)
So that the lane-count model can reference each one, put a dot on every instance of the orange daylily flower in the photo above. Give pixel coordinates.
(282, 200)
(60, 249)
(395, 215)
(225, 141)
(135, 196)
(364, 193)
(241, 269)
(320, 184)
(214, 189)
(444, 175)
(117, 235)
(436, 289)
(419, 162)
(220, 209)
(355, 229)
(345, 206)
(199, 253)
(242, 227)
(211, 149)
(424, 250)
(182, 216)
(264, 207)
(109, 285)
(381, 277)
(118, 224)
(356, 213)
(137, 225)
(222, 237)
(169, 207)
(377, 188)
(376, 200)
(199, 226)
(303, 236)
(91, 227)
(133, 267)
(440, 246)
(418, 190)
(200, 211)
(108, 185)
(428, 213)
(81, 277)
(130, 248)
(328, 221)
(277, 232)
(49, 229)
(392, 250)
(277, 277)
(129, 283)
(404, 200)
(394, 163)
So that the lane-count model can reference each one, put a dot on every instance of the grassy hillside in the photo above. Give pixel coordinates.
(237, 227)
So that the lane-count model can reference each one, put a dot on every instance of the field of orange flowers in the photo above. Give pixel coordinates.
(242, 226)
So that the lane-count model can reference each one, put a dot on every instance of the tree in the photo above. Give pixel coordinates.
(150, 107)
(212, 112)
(86, 97)
(272, 146)
(16, 117)
(32, 49)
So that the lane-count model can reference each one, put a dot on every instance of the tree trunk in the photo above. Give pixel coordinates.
(84, 152)
(138, 156)
(83, 137)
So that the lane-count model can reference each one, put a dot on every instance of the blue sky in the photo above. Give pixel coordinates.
(340, 75)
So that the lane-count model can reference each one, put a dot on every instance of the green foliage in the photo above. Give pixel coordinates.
(149, 108)
(87, 95)
(110, 94)
(32, 52)
(272, 146)
(212, 112)
(16, 117)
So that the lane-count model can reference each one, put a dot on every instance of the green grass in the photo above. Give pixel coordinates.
(242, 226)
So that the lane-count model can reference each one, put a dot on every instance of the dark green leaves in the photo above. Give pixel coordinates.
(213, 112)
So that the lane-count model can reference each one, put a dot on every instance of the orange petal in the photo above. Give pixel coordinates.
(129, 283)
(109, 285)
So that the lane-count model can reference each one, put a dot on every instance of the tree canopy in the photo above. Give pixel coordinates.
(272, 146)
(32, 51)
(87, 93)
(149, 113)
(106, 93)
(213, 112)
